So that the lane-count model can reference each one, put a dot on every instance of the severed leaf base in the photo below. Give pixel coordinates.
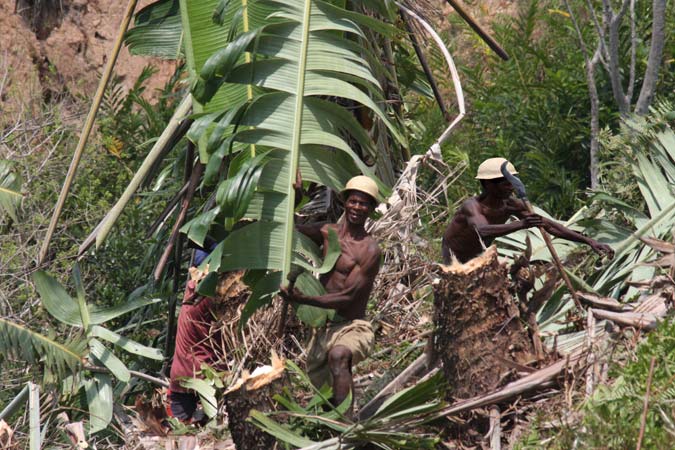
(253, 391)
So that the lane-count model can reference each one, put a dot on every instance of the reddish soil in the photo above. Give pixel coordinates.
(61, 52)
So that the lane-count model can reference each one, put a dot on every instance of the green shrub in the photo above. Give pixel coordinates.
(612, 416)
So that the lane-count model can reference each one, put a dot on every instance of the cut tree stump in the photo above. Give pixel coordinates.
(478, 326)
(253, 391)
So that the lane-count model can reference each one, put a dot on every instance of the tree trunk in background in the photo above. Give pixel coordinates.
(655, 57)
(589, 67)
(595, 123)
(608, 53)
(478, 327)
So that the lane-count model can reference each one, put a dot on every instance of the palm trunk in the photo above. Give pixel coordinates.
(253, 393)
(479, 334)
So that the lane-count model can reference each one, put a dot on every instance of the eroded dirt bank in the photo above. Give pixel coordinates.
(56, 49)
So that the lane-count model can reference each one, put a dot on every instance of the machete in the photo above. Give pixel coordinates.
(292, 277)
(519, 187)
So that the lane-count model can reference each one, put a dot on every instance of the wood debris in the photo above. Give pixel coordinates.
(253, 391)
(6, 434)
(598, 301)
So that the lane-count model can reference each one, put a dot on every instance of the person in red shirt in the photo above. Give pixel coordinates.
(194, 347)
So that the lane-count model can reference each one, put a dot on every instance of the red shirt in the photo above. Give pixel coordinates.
(194, 338)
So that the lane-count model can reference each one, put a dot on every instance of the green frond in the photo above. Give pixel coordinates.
(66, 309)
(157, 31)
(99, 394)
(10, 189)
(21, 343)
(395, 425)
(263, 78)
(647, 145)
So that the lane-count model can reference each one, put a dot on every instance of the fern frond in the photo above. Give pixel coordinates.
(668, 395)
(20, 342)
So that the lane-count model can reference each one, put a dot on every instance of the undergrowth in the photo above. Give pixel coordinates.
(611, 418)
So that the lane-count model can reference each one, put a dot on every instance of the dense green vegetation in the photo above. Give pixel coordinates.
(247, 136)
(533, 109)
(611, 418)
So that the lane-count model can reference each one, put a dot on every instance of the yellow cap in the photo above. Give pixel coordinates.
(363, 184)
(491, 169)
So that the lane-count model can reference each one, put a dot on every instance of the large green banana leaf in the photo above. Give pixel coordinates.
(299, 56)
(228, 118)
(265, 75)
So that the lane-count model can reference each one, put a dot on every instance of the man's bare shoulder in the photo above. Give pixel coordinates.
(371, 254)
(470, 205)
(372, 245)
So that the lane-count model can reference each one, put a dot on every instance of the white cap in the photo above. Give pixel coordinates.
(363, 184)
(491, 169)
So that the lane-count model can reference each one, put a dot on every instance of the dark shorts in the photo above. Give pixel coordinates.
(183, 405)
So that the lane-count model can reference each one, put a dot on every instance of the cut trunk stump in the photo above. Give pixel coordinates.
(253, 391)
(479, 333)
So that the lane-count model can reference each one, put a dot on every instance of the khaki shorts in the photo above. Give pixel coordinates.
(357, 335)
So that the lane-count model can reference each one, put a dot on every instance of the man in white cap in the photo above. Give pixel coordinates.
(482, 218)
(347, 338)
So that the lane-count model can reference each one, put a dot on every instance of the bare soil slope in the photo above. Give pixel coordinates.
(58, 50)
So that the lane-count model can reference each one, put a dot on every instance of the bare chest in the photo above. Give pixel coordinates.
(496, 216)
(350, 256)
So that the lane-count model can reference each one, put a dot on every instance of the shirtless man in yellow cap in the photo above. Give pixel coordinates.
(482, 218)
(347, 338)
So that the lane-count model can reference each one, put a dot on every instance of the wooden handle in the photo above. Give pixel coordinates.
(556, 260)
(284, 310)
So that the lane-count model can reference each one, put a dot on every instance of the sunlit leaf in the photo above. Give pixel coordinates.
(125, 343)
(99, 401)
(103, 355)
(207, 394)
(21, 343)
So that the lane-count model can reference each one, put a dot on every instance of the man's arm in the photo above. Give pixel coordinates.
(561, 231)
(312, 231)
(358, 284)
(475, 219)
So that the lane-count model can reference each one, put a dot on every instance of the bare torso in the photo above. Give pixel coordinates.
(350, 282)
(352, 271)
(461, 236)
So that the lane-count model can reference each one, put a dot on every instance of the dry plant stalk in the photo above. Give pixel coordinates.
(645, 408)
(406, 269)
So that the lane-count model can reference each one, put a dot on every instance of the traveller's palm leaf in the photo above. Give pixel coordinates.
(304, 55)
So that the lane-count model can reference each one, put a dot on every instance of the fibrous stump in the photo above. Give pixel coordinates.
(253, 391)
(479, 334)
